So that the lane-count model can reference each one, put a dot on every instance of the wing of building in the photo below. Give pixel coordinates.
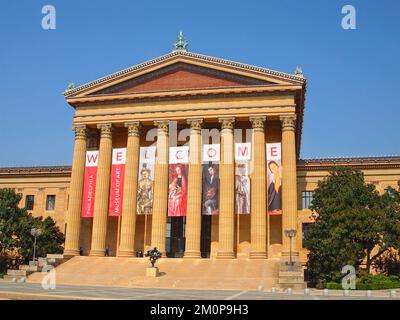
(235, 193)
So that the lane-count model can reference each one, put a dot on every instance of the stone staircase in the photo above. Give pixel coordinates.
(235, 274)
(25, 271)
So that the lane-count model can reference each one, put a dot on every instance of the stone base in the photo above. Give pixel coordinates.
(192, 255)
(152, 272)
(225, 255)
(97, 253)
(257, 255)
(291, 276)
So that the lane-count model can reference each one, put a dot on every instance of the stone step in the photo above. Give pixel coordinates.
(54, 256)
(16, 273)
(9, 278)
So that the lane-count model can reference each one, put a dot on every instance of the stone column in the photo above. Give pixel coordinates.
(75, 193)
(160, 201)
(227, 191)
(289, 185)
(193, 217)
(100, 218)
(258, 191)
(128, 223)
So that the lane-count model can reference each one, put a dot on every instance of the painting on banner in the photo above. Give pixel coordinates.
(117, 182)
(178, 172)
(89, 185)
(145, 189)
(242, 177)
(274, 178)
(210, 179)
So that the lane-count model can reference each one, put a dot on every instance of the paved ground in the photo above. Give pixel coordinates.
(9, 290)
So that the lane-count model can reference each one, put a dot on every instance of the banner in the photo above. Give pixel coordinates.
(274, 178)
(117, 182)
(242, 187)
(89, 185)
(145, 190)
(242, 179)
(210, 179)
(178, 171)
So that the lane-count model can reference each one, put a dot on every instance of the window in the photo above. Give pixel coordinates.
(29, 202)
(50, 202)
(304, 229)
(306, 199)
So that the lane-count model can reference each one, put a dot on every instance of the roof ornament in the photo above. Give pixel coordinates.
(298, 72)
(180, 44)
(71, 86)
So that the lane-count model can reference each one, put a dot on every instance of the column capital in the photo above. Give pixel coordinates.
(226, 123)
(162, 126)
(105, 130)
(133, 128)
(195, 124)
(288, 122)
(80, 132)
(257, 122)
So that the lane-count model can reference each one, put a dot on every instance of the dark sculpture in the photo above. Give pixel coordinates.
(153, 255)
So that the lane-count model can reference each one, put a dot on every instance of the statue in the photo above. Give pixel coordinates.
(153, 255)
(181, 43)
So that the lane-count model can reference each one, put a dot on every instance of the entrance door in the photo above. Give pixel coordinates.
(175, 242)
(205, 244)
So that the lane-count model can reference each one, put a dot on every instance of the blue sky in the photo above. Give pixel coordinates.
(353, 75)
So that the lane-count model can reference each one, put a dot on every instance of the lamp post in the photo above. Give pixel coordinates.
(291, 233)
(35, 232)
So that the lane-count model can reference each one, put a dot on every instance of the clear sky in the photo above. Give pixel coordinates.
(352, 105)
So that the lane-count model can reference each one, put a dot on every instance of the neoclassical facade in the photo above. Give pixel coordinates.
(187, 99)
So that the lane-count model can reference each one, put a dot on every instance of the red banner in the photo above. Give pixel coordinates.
(178, 173)
(117, 182)
(89, 187)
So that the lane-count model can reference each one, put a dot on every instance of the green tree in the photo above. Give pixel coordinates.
(15, 230)
(353, 224)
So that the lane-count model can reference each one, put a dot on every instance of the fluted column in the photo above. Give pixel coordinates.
(100, 217)
(158, 231)
(226, 230)
(193, 216)
(128, 223)
(289, 184)
(258, 191)
(75, 193)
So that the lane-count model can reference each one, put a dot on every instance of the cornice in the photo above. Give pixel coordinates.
(371, 162)
(189, 55)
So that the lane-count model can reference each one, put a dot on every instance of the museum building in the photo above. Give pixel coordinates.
(195, 155)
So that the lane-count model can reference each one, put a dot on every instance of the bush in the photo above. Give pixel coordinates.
(370, 282)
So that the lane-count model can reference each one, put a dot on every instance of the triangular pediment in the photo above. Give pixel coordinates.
(179, 71)
(181, 76)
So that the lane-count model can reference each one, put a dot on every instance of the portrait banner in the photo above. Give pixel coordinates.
(145, 190)
(117, 182)
(89, 184)
(178, 172)
(274, 178)
(242, 187)
(210, 189)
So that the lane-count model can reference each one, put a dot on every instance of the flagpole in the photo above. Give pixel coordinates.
(118, 234)
(145, 232)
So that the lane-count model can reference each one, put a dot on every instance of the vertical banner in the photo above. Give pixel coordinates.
(117, 182)
(242, 178)
(210, 179)
(89, 186)
(145, 194)
(178, 171)
(274, 178)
